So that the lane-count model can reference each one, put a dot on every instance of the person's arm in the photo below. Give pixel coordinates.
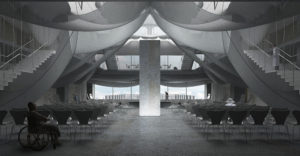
(39, 116)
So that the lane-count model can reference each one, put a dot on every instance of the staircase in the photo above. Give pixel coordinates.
(263, 60)
(9, 71)
(288, 71)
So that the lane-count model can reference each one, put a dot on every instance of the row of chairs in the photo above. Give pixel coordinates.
(243, 118)
(67, 118)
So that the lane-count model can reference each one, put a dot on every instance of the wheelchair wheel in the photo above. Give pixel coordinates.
(22, 137)
(35, 141)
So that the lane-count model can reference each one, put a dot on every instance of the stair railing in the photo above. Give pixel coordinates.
(16, 50)
(290, 67)
(287, 63)
(9, 65)
(265, 57)
(281, 50)
(286, 66)
(22, 55)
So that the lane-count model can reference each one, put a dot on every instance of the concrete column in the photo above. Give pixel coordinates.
(149, 77)
(205, 91)
(83, 91)
(67, 96)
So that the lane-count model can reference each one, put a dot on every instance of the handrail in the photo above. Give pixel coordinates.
(9, 60)
(286, 52)
(297, 67)
(23, 55)
(37, 49)
(279, 48)
(17, 49)
(259, 48)
(269, 42)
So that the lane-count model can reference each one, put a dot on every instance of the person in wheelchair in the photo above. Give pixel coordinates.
(38, 122)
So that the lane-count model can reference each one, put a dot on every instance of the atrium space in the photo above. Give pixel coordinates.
(145, 77)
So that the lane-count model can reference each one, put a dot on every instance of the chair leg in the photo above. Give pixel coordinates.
(11, 132)
(272, 131)
(250, 132)
(268, 133)
(224, 132)
(206, 131)
(293, 133)
(288, 133)
(245, 133)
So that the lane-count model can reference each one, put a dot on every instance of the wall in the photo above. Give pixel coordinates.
(78, 90)
(254, 99)
(52, 97)
(220, 92)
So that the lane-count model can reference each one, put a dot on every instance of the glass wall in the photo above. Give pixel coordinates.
(102, 92)
(170, 62)
(132, 62)
(196, 91)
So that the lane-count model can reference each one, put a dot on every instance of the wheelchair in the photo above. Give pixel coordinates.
(35, 138)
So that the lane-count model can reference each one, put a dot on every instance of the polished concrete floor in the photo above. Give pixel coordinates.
(169, 134)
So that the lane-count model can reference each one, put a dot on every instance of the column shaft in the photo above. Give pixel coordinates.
(149, 78)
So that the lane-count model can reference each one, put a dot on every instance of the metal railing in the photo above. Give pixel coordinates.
(9, 68)
(16, 50)
(286, 64)
(288, 70)
(264, 60)
(281, 50)
(136, 97)
(22, 56)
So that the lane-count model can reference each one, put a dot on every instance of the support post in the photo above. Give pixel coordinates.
(149, 78)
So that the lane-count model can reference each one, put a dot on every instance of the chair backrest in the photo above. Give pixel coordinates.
(61, 116)
(296, 114)
(237, 116)
(83, 116)
(2, 116)
(197, 112)
(105, 109)
(188, 108)
(203, 113)
(259, 114)
(165, 104)
(194, 109)
(18, 115)
(134, 104)
(96, 113)
(110, 108)
(216, 116)
(280, 115)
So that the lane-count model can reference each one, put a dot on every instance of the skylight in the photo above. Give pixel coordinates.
(149, 29)
(215, 7)
(195, 65)
(80, 8)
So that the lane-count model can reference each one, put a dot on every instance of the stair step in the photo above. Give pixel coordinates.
(27, 65)
(4, 83)
(266, 64)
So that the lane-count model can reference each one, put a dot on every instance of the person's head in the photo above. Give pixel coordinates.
(31, 106)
